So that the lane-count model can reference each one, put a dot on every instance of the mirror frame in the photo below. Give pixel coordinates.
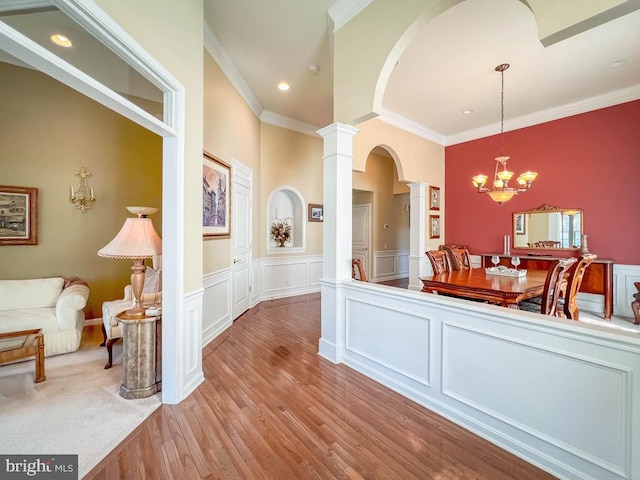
(546, 208)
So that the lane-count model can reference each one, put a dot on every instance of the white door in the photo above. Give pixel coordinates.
(361, 235)
(242, 178)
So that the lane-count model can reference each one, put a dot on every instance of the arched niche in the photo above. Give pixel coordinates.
(287, 203)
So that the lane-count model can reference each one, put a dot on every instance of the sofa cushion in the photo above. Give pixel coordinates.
(30, 293)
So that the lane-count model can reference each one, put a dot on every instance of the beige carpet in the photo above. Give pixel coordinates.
(77, 410)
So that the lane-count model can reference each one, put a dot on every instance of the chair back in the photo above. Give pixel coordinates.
(439, 261)
(357, 270)
(459, 258)
(554, 284)
(570, 308)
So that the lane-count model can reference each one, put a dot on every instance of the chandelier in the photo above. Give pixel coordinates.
(501, 192)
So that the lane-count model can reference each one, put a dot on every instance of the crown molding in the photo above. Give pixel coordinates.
(220, 55)
(278, 120)
(344, 10)
(392, 118)
(609, 99)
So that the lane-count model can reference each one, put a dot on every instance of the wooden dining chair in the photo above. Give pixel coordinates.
(570, 300)
(547, 303)
(357, 270)
(439, 261)
(459, 258)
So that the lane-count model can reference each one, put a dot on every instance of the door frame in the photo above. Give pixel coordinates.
(179, 337)
(242, 174)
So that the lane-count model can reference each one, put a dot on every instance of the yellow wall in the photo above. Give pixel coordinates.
(386, 208)
(172, 32)
(295, 159)
(231, 131)
(47, 132)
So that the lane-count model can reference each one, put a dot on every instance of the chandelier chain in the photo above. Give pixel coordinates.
(502, 114)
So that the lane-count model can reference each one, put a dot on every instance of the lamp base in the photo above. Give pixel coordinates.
(136, 312)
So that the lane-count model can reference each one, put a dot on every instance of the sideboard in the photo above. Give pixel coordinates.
(598, 278)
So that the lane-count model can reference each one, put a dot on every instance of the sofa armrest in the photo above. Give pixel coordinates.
(71, 300)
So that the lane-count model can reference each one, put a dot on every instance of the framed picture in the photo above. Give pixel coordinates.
(216, 201)
(434, 198)
(434, 226)
(520, 224)
(18, 215)
(315, 213)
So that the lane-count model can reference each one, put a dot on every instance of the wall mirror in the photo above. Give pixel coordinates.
(548, 228)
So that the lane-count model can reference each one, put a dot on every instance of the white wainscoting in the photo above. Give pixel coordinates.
(390, 265)
(623, 278)
(560, 394)
(216, 304)
(288, 276)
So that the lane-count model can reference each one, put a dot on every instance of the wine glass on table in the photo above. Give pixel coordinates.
(495, 259)
(515, 261)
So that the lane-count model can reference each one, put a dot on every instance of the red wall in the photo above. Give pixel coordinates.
(589, 161)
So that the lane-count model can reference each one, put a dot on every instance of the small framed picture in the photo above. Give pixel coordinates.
(434, 226)
(434, 198)
(520, 226)
(18, 215)
(216, 184)
(315, 213)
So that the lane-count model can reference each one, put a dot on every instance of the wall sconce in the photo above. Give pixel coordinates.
(83, 199)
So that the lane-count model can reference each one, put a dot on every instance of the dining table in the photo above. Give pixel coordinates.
(476, 284)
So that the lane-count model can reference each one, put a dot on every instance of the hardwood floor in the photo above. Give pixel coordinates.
(272, 408)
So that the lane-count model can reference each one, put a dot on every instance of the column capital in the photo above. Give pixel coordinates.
(337, 127)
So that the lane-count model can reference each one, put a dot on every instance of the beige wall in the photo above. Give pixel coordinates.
(47, 132)
(386, 207)
(231, 131)
(172, 32)
(295, 159)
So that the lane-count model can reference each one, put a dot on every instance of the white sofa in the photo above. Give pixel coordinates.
(54, 305)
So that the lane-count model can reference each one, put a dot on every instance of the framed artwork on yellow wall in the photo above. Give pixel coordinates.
(434, 198)
(18, 215)
(216, 191)
(434, 226)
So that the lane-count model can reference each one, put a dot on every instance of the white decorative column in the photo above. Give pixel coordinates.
(336, 234)
(418, 263)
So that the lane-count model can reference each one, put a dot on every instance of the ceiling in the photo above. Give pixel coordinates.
(448, 68)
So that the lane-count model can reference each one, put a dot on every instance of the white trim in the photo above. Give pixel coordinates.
(278, 120)
(582, 106)
(181, 313)
(472, 385)
(222, 58)
(624, 277)
(216, 304)
(299, 204)
(403, 123)
(344, 10)
(294, 275)
(400, 268)
(609, 99)
(12, 5)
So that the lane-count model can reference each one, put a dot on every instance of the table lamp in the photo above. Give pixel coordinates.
(136, 240)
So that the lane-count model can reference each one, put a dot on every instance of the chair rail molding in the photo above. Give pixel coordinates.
(390, 265)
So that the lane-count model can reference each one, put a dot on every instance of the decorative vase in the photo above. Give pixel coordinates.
(585, 248)
(282, 242)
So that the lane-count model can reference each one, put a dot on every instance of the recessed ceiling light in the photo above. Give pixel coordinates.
(61, 40)
(618, 63)
(467, 112)
(284, 86)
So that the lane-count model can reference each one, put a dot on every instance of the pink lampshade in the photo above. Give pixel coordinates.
(136, 239)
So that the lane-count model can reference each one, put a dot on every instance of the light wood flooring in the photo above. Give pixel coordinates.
(272, 408)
